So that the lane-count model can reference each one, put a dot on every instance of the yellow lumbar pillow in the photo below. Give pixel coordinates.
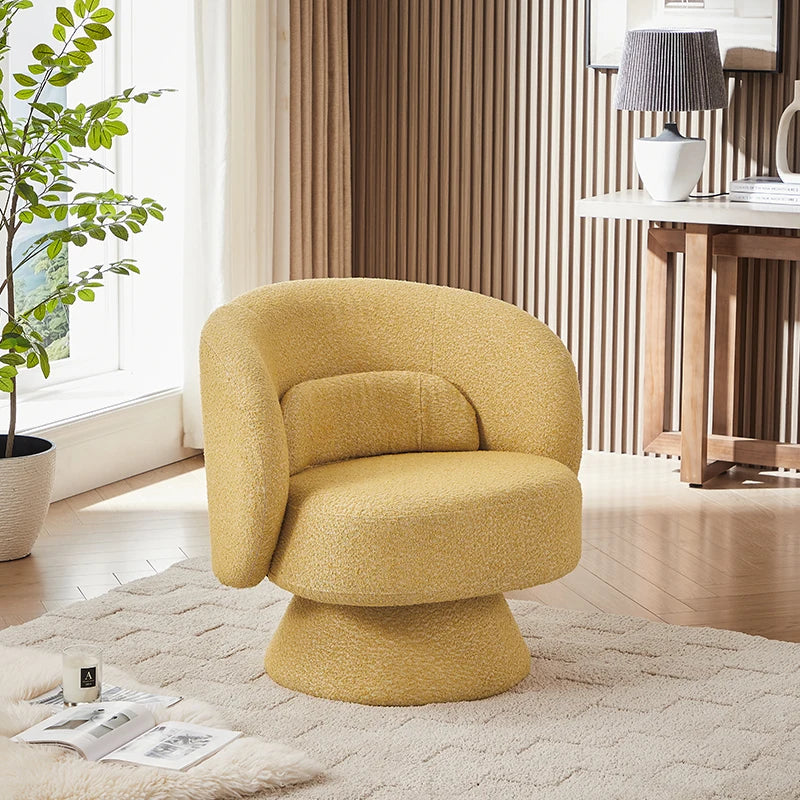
(374, 413)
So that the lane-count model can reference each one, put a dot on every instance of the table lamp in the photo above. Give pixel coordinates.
(670, 70)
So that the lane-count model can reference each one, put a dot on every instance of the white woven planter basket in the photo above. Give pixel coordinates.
(26, 484)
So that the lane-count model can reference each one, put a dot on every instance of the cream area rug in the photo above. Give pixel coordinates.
(615, 708)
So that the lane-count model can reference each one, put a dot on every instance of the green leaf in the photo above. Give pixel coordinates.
(60, 213)
(41, 211)
(86, 294)
(99, 109)
(91, 5)
(68, 299)
(79, 239)
(59, 33)
(33, 359)
(14, 359)
(45, 361)
(54, 248)
(97, 233)
(116, 128)
(154, 212)
(64, 16)
(119, 231)
(24, 79)
(141, 98)
(80, 7)
(62, 79)
(85, 44)
(25, 94)
(42, 51)
(8, 371)
(26, 216)
(94, 136)
(6, 384)
(97, 31)
(79, 58)
(39, 313)
(26, 192)
(103, 15)
(44, 109)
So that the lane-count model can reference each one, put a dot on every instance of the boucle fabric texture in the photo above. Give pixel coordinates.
(375, 413)
(514, 372)
(35, 772)
(427, 527)
(405, 655)
(615, 708)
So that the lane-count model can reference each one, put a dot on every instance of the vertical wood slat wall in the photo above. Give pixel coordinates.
(476, 126)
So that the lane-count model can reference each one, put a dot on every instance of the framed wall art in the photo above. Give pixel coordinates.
(749, 30)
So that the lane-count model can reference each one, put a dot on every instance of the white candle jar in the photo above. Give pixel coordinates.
(82, 674)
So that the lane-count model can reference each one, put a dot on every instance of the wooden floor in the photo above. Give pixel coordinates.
(727, 556)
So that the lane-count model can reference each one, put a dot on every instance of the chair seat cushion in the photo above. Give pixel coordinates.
(427, 527)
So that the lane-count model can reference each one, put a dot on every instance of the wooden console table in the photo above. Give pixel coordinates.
(710, 241)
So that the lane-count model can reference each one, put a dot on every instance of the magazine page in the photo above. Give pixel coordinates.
(93, 729)
(173, 745)
(110, 694)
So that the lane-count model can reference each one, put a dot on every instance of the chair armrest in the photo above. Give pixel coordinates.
(247, 461)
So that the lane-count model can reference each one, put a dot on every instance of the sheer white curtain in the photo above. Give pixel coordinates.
(237, 200)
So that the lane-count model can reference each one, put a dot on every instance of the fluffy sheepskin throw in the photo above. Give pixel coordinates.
(38, 772)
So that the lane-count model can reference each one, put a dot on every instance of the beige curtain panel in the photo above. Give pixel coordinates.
(321, 230)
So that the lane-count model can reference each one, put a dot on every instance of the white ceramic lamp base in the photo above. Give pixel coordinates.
(669, 164)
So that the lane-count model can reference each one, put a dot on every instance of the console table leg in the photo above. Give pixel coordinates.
(696, 341)
(725, 377)
(655, 341)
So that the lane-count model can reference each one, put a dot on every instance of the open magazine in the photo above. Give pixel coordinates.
(110, 694)
(128, 732)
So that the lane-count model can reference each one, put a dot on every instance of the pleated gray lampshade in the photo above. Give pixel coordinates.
(670, 70)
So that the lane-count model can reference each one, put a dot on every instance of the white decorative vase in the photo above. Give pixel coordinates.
(669, 165)
(26, 485)
(782, 147)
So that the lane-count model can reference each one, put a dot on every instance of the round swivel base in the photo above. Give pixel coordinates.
(399, 656)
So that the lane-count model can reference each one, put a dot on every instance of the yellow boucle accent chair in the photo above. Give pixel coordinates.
(396, 455)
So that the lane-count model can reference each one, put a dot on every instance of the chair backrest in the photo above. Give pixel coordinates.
(514, 371)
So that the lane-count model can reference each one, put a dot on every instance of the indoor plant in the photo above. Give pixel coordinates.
(40, 150)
